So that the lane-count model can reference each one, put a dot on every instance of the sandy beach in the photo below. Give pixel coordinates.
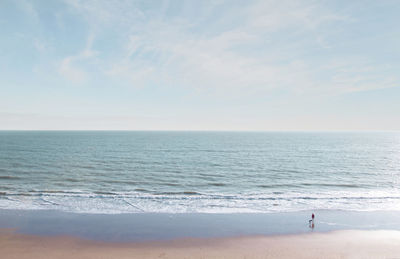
(336, 244)
(55, 234)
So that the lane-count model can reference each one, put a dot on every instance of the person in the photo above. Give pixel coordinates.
(311, 221)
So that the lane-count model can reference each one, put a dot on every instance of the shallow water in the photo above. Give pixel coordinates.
(213, 172)
(163, 226)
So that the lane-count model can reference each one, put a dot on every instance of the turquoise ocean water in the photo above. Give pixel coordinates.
(212, 172)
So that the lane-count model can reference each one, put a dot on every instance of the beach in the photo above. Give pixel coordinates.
(338, 244)
(55, 234)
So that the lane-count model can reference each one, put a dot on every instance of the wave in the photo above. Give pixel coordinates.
(54, 191)
(217, 184)
(74, 180)
(141, 190)
(169, 184)
(128, 182)
(211, 175)
(179, 193)
(191, 201)
(267, 186)
(144, 193)
(9, 177)
(333, 185)
(106, 193)
(300, 185)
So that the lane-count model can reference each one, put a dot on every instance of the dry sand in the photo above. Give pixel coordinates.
(338, 244)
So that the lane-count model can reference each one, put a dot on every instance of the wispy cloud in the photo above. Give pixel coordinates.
(69, 66)
(261, 50)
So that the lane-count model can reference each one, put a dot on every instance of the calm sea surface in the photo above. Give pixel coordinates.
(125, 172)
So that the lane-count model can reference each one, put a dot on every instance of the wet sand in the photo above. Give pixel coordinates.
(336, 244)
(141, 227)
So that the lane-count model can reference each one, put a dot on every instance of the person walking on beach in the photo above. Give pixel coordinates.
(311, 221)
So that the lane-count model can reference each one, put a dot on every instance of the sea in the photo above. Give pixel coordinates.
(115, 172)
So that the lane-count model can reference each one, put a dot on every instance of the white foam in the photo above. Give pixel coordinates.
(135, 202)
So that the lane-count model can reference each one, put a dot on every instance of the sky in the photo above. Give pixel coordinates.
(200, 65)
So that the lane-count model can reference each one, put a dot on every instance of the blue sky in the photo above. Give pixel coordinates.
(200, 65)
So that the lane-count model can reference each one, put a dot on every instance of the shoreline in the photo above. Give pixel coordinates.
(152, 226)
(56, 234)
(334, 244)
(167, 226)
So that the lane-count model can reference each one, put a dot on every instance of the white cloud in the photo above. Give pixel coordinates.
(72, 73)
(263, 51)
(69, 66)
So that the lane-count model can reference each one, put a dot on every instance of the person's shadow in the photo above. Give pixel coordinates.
(311, 224)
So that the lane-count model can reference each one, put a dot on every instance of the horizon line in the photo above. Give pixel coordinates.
(188, 130)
